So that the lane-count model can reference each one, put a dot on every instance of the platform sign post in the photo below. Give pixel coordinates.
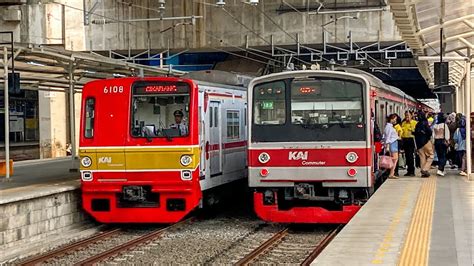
(6, 112)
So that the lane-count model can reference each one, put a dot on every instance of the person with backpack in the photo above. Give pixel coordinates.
(460, 145)
(441, 142)
(424, 145)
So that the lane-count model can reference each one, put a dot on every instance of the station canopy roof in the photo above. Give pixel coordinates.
(48, 67)
(419, 23)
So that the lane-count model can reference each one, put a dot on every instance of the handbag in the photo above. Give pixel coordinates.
(386, 162)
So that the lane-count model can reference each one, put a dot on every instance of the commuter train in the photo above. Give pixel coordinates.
(311, 151)
(152, 149)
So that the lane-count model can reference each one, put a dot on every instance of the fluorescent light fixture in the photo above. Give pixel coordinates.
(35, 63)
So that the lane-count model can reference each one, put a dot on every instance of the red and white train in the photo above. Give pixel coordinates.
(311, 148)
(153, 149)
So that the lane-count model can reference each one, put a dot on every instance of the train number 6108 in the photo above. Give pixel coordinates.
(113, 89)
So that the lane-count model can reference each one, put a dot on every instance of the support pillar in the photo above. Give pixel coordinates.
(457, 96)
(72, 118)
(7, 113)
(468, 105)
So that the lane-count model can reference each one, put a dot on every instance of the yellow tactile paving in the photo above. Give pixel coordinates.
(416, 248)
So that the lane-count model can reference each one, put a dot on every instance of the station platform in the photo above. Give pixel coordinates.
(39, 203)
(34, 172)
(35, 178)
(410, 221)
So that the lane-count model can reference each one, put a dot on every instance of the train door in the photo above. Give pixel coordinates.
(215, 138)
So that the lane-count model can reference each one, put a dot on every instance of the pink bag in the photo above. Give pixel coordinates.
(386, 162)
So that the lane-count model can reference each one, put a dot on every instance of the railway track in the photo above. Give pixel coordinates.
(39, 259)
(301, 248)
(133, 239)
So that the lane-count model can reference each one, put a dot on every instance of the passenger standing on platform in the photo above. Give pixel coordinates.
(451, 156)
(441, 138)
(398, 128)
(460, 140)
(408, 127)
(390, 141)
(424, 145)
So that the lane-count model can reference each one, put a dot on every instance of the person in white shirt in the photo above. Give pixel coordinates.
(179, 124)
(390, 141)
(441, 142)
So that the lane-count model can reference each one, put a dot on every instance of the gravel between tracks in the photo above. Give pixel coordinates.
(201, 242)
(223, 240)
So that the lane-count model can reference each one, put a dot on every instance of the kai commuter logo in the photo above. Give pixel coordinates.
(297, 155)
(105, 160)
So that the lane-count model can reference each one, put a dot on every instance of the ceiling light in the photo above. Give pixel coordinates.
(35, 63)
(253, 2)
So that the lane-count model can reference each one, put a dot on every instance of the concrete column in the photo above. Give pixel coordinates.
(52, 124)
(468, 105)
(457, 97)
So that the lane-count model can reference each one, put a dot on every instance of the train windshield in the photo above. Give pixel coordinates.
(160, 109)
(326, 102)
(309, 109)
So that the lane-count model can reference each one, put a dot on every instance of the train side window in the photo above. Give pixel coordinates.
(211, 117)
(245, 116)
(233, 125)
(216, 116)
(89, 118)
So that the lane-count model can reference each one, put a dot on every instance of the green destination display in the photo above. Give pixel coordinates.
(267, 105)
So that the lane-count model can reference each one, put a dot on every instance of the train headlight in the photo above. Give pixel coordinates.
(86, 161)
(186, 160)
(352, 157)
(264, 157)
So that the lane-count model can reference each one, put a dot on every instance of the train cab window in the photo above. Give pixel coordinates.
(89, 118)
(233, 125)
(160, 109)
(269, 103)
(326, 102)
(216, 116)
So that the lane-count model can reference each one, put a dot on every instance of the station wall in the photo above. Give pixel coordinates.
(219, 29)
(65, 22)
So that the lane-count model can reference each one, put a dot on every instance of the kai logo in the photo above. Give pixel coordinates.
(298, 155)
(105, 159)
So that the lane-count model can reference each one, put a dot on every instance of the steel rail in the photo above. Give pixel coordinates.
(73, 246)
(129, 245)
(262, 248)
(321, 245)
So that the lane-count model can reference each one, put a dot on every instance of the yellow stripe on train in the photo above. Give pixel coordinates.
(139, 158)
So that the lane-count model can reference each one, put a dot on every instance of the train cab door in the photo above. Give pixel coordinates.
(215, 138)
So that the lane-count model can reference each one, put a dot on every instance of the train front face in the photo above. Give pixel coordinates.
(309, 151)
(139, 150)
